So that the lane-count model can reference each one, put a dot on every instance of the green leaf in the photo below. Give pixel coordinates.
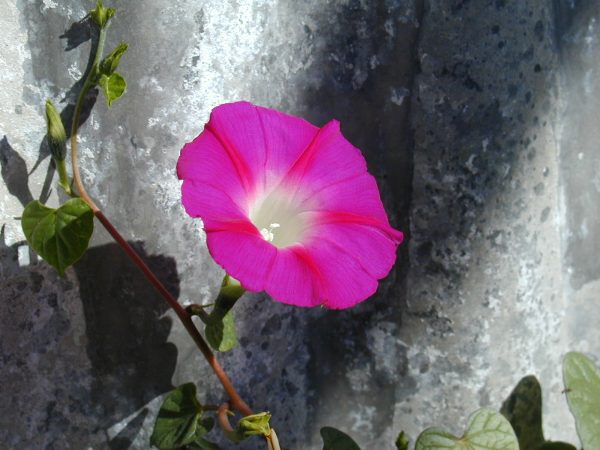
(203, 444)
(110, 63)
(582, 385)
(113, 86)
(60, 236)
(402, 441)
(523, 409)
(179, 421)
(487, 430)
(336, 440)
(220, 332)
(556, 446)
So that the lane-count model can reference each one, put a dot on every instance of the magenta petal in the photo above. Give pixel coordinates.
(286, 137)
(294, 279)
(209, 203)
(344, 281)
(238, 128)
(206, 163)
(329, 159)
(358, 195)
(246, 257)
(374, 249)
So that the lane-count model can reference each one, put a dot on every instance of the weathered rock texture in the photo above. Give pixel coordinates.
(478, 119)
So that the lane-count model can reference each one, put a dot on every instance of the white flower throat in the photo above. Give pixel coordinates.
(278, 219)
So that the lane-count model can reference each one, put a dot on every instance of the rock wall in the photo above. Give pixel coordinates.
(477, 119)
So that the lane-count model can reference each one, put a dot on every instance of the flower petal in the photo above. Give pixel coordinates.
(205, 161)
(344, 282)
(238, 128)
(246, 256)
(358, 195)
(327, 160)
(294, 279)
(209, 203)
(286, 137)
(374, 249)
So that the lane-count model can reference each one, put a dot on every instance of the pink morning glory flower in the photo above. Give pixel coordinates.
(288, 208)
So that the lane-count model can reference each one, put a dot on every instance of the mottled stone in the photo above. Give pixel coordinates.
(476, 118)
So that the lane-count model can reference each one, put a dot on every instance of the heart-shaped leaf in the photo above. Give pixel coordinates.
(523, 409)
(180, 420)
(487, 430)
(113, 86)
(336, 440)
(60, 236)
(582, 385)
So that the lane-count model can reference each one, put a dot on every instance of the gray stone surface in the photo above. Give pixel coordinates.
(476, 117)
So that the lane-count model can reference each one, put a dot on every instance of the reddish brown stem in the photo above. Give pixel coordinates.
(235, 399)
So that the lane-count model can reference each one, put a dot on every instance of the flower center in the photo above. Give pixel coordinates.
(278, 219)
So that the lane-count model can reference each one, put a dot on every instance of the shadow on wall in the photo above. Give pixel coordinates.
(444, 82)
(132, 362)
(366, 65)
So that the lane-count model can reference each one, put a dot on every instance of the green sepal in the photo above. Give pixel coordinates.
(582, 387)
(180, 421)
(487, 430)
(523, 409)
(402, 441)
(334, 439)
(101, 15)
(111, 61)
(113, 86)
(60, 236)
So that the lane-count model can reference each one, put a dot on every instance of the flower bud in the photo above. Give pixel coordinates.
(255, 425)
(56, 132)
(101, 15)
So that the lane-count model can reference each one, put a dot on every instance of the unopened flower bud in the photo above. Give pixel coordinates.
(101, 15)
(56, 132)
(255, 425)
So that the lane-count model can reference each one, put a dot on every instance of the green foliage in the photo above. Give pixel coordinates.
(113, 86)
(582, 386)
(220, 323)
(402, 441)
(487, 430)
(180, 421)
(523, 409)
(111, 61)
(220, 332)
(60, 236)
(336, 440)
(203, 444)
(101, 15)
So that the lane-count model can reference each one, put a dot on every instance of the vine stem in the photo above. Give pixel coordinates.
(236, 401)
